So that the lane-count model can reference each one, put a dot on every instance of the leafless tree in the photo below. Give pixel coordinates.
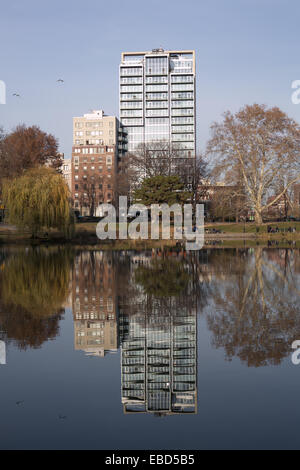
(194, 173)
(94, 191)
(257, 145)
(163, 158)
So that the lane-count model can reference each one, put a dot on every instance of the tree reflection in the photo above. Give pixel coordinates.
(257, 315)
(163, 278)
(34, 284)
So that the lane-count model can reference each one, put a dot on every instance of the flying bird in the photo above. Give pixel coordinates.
(16, 94)
(60, 80)
(19, 402)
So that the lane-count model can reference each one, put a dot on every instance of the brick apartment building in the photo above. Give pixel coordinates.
(99, 142)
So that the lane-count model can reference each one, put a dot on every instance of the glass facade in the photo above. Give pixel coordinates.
(158, 343)
(157, 98)
(159, 363)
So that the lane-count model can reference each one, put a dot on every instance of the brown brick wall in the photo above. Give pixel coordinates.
(94, 169)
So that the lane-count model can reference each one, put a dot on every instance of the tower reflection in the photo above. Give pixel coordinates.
(158, 338)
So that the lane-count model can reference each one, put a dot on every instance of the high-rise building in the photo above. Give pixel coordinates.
(157, 98)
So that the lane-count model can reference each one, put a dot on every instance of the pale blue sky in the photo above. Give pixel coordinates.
(246, 50)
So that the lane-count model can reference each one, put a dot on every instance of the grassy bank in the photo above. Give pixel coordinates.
(250, 228)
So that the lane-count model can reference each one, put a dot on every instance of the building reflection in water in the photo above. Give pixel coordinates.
(158, 338)
(94, 303)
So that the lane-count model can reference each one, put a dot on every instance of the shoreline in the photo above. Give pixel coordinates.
(210, 241)
(85, 236)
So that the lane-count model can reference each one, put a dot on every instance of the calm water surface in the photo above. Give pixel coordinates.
(104, 350)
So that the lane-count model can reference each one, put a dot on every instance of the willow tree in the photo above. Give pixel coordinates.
(34, 287)
(39, 200)
(37, 280)
(255, 149)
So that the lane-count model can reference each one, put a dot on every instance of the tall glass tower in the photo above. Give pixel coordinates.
(157, 98)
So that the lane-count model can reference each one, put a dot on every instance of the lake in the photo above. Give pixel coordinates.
(151, 350)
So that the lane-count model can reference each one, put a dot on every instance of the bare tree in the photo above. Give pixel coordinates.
(224, 203)
(163, 158)
(257, 145)
(93, 191)
(154, 158)
(194, 172)
(285, 204)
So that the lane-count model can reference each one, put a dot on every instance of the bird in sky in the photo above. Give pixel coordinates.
(16, 94)
(60, 80)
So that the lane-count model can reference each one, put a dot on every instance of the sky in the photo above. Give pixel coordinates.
(247, 51)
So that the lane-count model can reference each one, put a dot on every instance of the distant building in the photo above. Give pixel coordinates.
(280, 207)
(99, 141)
(157, 98)
(66, 169)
